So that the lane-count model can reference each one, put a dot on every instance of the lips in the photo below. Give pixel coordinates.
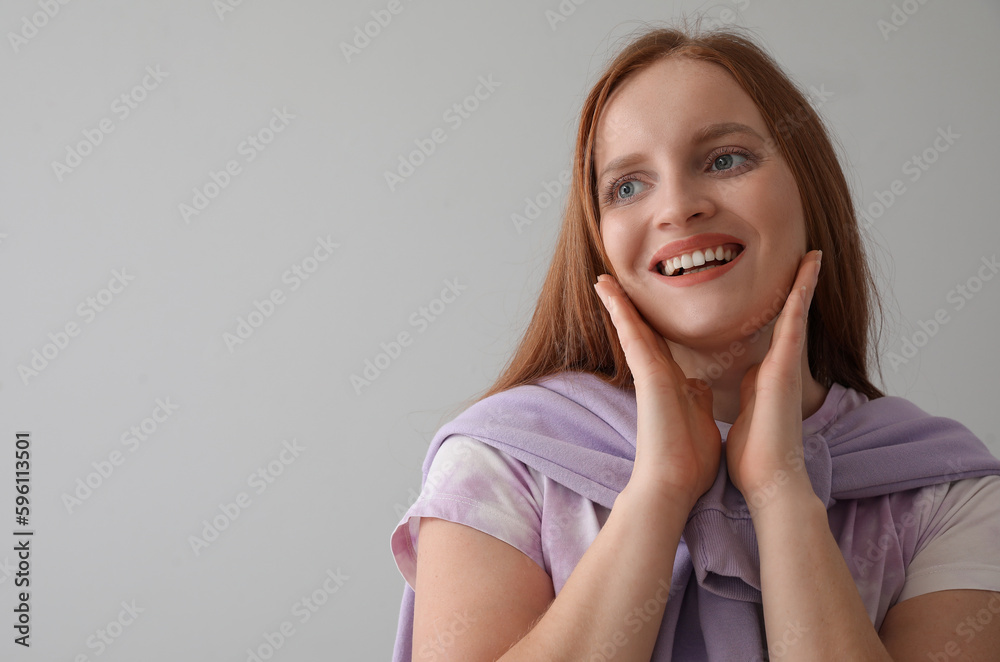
(695, 253)
(700, 275)
(699, 260)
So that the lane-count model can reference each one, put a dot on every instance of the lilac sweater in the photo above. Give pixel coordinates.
(580, 431)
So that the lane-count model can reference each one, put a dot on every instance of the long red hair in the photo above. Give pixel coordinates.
(571, 330)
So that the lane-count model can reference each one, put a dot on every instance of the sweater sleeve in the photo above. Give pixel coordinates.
(960, 546)
(472, 483)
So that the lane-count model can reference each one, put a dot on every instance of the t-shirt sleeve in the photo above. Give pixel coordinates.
(472, 483)
(960, 546)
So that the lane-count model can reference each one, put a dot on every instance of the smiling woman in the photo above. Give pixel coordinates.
(687, 459)
(699, 176)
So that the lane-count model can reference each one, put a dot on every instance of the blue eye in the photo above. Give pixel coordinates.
(726, 161)
(722, 160)
(627, 189)
(621, 190)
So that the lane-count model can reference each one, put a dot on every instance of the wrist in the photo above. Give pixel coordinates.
(789, 482)
(657, 498)
(674, 485)
(788, 503)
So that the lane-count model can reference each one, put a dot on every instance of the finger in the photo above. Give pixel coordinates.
(614, 288)
(812, 279)
(788, 337)
(628, 323)
(645, 349)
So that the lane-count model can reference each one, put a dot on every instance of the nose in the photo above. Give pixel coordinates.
(682, 198)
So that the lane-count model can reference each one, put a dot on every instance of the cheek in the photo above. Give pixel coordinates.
(619, 244)
(791, 203)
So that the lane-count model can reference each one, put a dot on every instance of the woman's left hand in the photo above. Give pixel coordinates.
(764, 445)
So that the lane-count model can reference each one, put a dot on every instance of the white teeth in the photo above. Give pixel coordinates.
(697, 258)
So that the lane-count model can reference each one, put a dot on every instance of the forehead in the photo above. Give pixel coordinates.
(667, 102)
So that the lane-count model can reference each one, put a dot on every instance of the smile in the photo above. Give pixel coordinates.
(704, 273)
(698, 260)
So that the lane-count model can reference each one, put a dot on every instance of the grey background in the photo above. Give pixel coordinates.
(335, 505)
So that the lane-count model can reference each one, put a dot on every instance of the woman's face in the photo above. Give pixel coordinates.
(685, 163)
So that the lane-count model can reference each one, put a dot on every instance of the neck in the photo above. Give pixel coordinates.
(724, 369)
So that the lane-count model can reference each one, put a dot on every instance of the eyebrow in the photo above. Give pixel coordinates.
(710, 132)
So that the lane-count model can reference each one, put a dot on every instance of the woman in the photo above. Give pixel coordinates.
(686, 459)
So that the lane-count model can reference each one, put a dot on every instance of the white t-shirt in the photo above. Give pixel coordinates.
(953, 528)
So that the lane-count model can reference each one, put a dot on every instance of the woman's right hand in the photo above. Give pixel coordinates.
(678, 445)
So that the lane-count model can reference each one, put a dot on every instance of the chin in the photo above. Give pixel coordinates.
(711, 330)
(702, 339)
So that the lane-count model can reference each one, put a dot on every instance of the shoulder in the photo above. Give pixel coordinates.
(889, 444)
(921, 540)
(462, 463)
(470, 468)
(950, 599)
(471, 483)
(956, 545)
